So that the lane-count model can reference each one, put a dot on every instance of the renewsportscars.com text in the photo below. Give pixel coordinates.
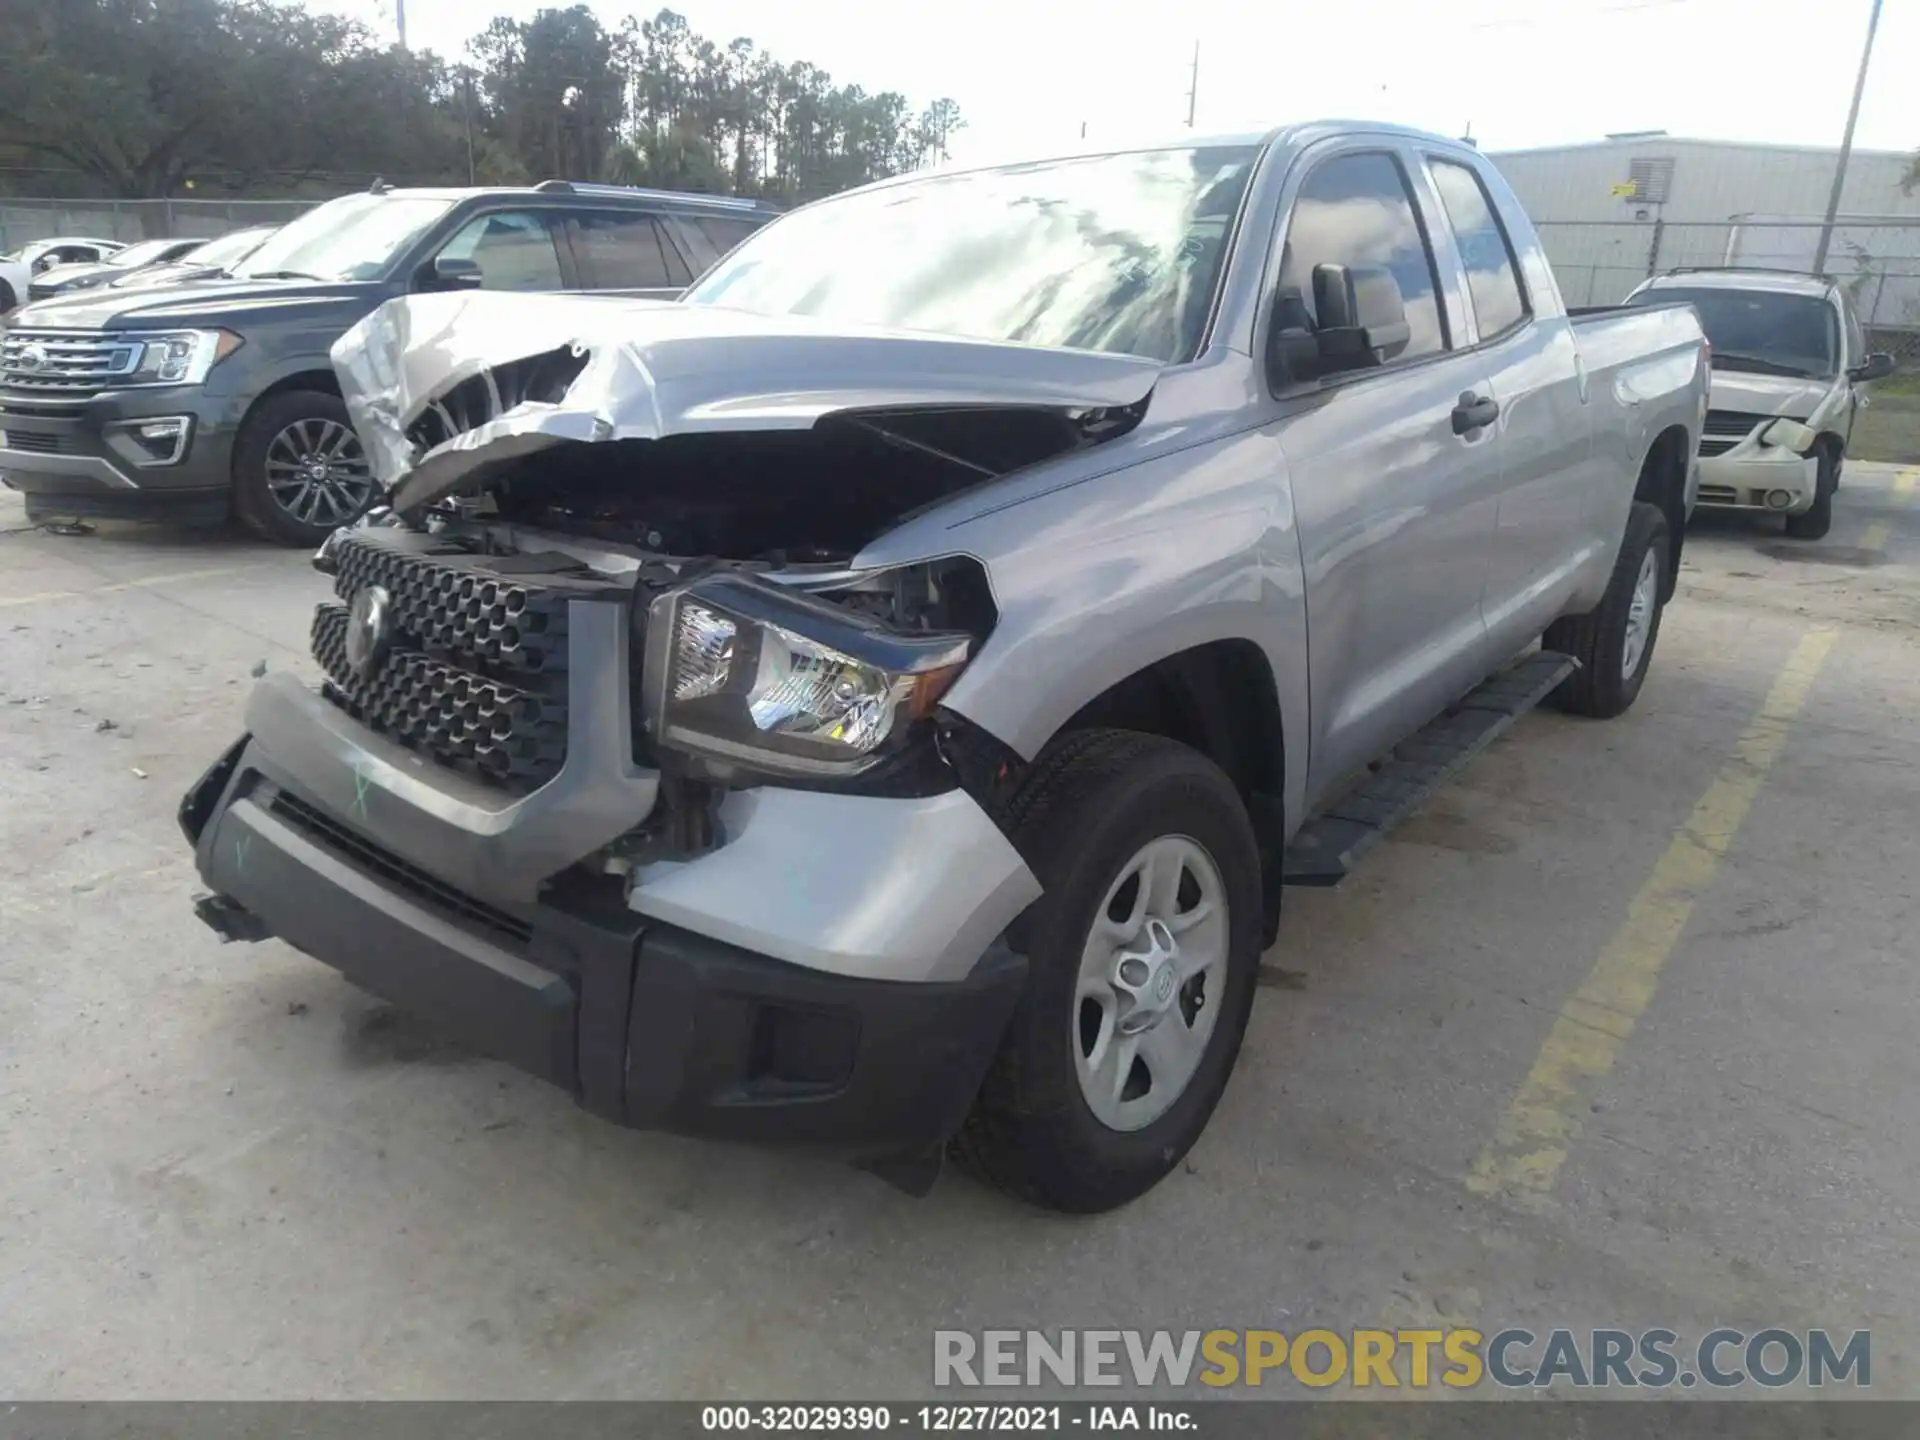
(1456, 1359)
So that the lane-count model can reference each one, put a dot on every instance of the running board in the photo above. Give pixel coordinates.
(1333, 843)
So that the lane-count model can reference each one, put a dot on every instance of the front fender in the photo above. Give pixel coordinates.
(1097, 581)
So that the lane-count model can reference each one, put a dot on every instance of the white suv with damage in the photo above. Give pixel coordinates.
(1790, 362)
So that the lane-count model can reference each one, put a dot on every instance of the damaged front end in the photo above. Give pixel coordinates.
(717, 474)
(623, 766)
(696, 430)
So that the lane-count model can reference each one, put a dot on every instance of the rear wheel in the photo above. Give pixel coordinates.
(1614, 641)
(1143, 952)
(1818, 517)
(299, 472)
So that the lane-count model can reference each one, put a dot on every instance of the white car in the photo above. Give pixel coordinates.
(18, 268)
(1789, 360)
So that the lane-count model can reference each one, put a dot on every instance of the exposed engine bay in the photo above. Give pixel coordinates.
(778, 496)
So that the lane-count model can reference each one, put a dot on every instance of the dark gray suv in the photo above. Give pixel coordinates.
(193, 404)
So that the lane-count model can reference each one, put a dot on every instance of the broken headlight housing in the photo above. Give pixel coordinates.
(748, 676)
(1790, 435)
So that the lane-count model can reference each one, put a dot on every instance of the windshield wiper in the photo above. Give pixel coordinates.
(282, 275)
(1733, 360)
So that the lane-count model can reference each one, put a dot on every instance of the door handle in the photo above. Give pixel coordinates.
(1474, 412)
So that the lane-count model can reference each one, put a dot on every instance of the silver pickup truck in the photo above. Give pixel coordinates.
(879, 701)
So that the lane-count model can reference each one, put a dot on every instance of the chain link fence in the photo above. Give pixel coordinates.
(1876, 260)
(24, 221)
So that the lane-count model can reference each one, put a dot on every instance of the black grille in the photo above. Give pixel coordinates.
(483, 727)
(1727, 428)
(450, 605)
(475, 675)
(385, 865)
(34, 442)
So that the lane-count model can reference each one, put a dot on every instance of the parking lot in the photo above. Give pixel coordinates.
(1617, 1032)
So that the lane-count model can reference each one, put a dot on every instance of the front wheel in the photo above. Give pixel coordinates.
(1817, 519)
(1143, 952)
(299, 472)
(1614, 641)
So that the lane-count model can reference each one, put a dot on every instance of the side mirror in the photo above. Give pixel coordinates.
(1876, 366)
(1362, 323)
(1362, 314)
(450, 273)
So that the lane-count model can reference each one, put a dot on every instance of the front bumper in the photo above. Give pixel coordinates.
(830, 972)
(647, 1024)
(77, 459)
(1745, 477)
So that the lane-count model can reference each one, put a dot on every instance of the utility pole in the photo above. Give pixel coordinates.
(1193, 83)
(400, 20)
(1846, 144)
(466, 96)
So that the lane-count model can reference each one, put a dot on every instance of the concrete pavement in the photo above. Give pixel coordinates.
(226, 1173)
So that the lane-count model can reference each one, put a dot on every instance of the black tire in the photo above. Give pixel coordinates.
(254, 499)
(1817, 520)
(7, 298)
(1089, 804)
(1603, 686)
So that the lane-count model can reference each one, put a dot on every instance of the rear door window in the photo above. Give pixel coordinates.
(624, 250)
(1493, 278)
(723, 232)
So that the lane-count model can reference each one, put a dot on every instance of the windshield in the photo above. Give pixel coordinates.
(144, 253)
(1119, 253)
(1761, 330)
(355, 237)
(227, 249)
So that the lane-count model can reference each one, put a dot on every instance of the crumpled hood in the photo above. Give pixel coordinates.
(1747, 392)
(648, 369)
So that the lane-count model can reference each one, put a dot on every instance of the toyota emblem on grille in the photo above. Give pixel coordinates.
(368, 627)
(32, 357)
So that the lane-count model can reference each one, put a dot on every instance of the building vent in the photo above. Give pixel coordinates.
(1648, 181)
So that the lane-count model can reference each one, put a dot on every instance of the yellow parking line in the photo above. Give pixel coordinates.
(1530, 1142)
(1878, 533)
(9, 602)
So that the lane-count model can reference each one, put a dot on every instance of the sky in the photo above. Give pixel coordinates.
(1029, 74)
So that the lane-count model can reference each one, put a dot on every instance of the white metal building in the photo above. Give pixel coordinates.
(1614, 211)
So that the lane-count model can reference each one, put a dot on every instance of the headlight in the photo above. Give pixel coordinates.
(1790, 434)
(742, 671)
(179, 357)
